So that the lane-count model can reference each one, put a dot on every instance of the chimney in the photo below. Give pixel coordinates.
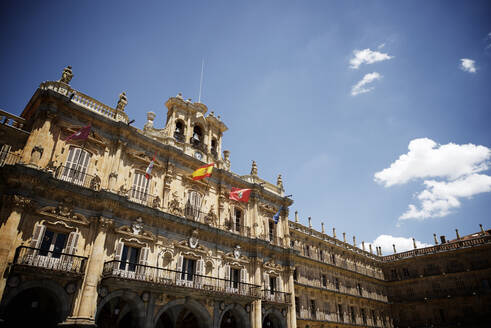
(414, 243)
(334, 232)
(322, 225)
(442, 238)
(394, 247)
(436, 240)
(296, 216)
(457, 233)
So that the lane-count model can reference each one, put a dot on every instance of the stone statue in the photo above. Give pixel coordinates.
(226, 159)
(254, 168)
(279, 182)
(67, 75)
(122, 102)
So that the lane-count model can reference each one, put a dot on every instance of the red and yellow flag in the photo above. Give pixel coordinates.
(203, 172)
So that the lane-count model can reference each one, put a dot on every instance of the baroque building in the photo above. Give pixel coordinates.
(88, 240)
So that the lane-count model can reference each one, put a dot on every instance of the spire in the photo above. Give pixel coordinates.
(122, 102)
(254, 168)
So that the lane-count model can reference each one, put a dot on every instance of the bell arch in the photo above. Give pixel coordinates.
(122, 307)
(175, 311)
(242, 318)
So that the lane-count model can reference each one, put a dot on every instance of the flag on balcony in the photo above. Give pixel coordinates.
(81, 134)
(276, 217)
(203, 172)
(241, 195)
(149, 168)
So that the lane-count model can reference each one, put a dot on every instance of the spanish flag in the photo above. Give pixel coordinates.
(203, 172)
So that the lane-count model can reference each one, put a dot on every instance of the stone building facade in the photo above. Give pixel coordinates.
(87, 240)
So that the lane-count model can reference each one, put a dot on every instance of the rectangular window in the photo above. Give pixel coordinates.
(340, 313)
(321, 255)
(53, 242)
(352, 313)
(336, 281)
(272, 284)
(188, 269)
(238, 216)
(313, 309)
(374, 317)
(307, 250)
(235, 277)
(297, 305)
(364, 316)
(295, 274)
(360, 290)
(324, 280)
(333, 258)
(271, 230)
(405, 271)
(140, 187)
(129, 258)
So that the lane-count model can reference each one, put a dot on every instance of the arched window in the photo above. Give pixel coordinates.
(139, 190)
(197, 138)
(179, 131)
(214, 149)
(76, 166)
(193, 205)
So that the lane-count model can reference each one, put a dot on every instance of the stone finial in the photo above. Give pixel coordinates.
(226, 159)
(344, 236)
(122, 102)
(457, 233)
(310, 222)
(480, 226)
(370, 247)
(436, 240)
(322, 227)
(334, 232)
(414, 243)
(254, 168)
(363, 245)
(296, 216)
(354, 241)
(66, 75)
(394, 247)
(279, 182)
(380, 250)
(179, 95)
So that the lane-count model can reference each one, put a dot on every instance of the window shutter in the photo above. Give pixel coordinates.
(243, 275)
(118, 251)
(143, 260)
(71, 245)
(179, 263)
(227, 272)
(38, 235)
(279, 284)
(266, 281)
(200, 267)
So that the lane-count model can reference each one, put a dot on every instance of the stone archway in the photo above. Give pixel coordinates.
(183, 313)
(120, 309)
(234, 316)
(273, 319)
(39, 303)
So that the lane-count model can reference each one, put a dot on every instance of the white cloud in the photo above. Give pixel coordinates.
(456, 165)
(428, 159)
(360, 86)
(367, 56)
(468, 65)
(440, 197)
(402, 244)
(381, 46)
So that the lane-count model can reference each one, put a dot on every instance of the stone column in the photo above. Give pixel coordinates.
(8, 232)
(86, 303)
(256, 311)
(292, 312)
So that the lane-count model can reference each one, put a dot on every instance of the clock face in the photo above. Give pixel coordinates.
(198, 155)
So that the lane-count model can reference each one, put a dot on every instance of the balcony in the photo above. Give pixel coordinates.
(78, 177)
(237, 229)
(8, 158)
(28, 257)
(274, 296)
(141, 197)
(178, 280)
(193, 213)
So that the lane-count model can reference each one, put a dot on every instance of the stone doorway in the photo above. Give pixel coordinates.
(271, 321)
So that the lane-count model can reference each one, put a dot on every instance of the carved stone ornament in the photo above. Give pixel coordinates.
(36, 154)
(95, 183)
(105, 223)
(254, 168)
(20, 202)
(137, 226)
(156, 202)
(123, 191)
(237, 252)
(175, 204)
(65, 212)
(122, 102)
(193, 240)
(211, 218)
(66, 75)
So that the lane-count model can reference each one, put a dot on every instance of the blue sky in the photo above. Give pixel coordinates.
(281, 75)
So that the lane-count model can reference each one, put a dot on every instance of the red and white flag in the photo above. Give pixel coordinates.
(149, 168)
(81, 134)
(241, 195)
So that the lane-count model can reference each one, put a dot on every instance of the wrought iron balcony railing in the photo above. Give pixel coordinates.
(141, 197)
(56, 261)
(237, 228)
(76, 176)
(276, 296)
(8, 158)
(178, 279)
(193, 213)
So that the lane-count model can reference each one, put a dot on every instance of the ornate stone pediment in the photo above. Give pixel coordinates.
(64, 211)
(272, 267)
(175, 206)
(211, 218)
(142, 158)
(136, 231)
(267, 210)
(192, 245)
(235, 257)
